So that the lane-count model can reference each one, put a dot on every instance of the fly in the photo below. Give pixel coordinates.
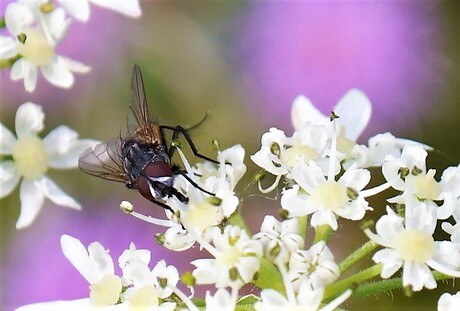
(142, 160)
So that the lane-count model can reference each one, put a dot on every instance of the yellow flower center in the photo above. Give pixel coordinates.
(35, 48)
(30, 157)
(297, 153)
(105, 292)
(415, 245)
(425, 186)
(229, 257)
(330, 195)
(202, 216)
(143, 298)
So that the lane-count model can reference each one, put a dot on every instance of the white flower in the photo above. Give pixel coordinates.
(306, 299)
(31, 159)
(96, 266)
(166, 278)
(222, 300)
(80, 9)
(274, 142)
(137, 291)
(203, 211)
(448, 302)
(411, 162)
(409, 244)
(354, 110)
(35, 47)
(316, 264)
(236, 259)
(280, 239)
(326, 198)
(40, 14)
(450, 185)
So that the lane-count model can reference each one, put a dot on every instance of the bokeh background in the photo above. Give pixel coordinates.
(243, 63)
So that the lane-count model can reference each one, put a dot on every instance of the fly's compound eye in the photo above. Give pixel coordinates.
(156, 177)
(157, 169)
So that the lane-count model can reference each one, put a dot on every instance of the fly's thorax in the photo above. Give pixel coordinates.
(137, 155)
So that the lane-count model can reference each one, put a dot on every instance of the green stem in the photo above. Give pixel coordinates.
(7, 63)
(237, 220)
(322, 233)
(269, 277)
(303, 226)
(357, 255)
(2, 22)
(339, 287)
(373, 288)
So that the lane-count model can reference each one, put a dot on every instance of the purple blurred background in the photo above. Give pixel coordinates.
(244, 62)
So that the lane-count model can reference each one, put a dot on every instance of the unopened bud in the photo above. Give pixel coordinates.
(126, 207)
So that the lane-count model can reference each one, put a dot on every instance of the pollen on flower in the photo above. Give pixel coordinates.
(105, 292)
(424, 186)
(126, 207)
(330, 195)
(30, 157)
(293, 154)
(202, 216)
(144, 297)
(36, 48)
(229, 257)
(415, 245)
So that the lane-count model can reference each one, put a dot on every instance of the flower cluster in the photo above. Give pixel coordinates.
(28, 157)
(36, 27)
(325, 176)
(138, 286)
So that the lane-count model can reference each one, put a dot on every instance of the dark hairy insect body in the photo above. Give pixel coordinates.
(142, 160)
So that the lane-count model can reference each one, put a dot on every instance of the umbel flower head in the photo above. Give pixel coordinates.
(36, 28)
(28, 158)
(32, 45)
(326, 175)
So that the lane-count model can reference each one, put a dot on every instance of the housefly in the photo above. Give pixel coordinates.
(142, 159)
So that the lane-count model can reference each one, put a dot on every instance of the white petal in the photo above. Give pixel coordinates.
(56, 195)
(8, 47)
(29, 119)
(127, 7)
(58, 74)
(354, 110)
(54, 25)
(418, 275)
(71, 305)
(79, 9)
(74, 65)
(9, 178)
(17, 16)
(324, 217)
(63, 147)
(23, 69)
(78, 256)
(70, 158)
(31, 197)
(303, 111)
(7, 140)
(355, 178)
(391, 261)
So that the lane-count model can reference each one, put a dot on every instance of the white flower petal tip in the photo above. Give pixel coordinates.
(129, 8)
(354, 110)
(303, 111)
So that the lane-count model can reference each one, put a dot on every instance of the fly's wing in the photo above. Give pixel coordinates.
(104, 161)
(145, 129)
